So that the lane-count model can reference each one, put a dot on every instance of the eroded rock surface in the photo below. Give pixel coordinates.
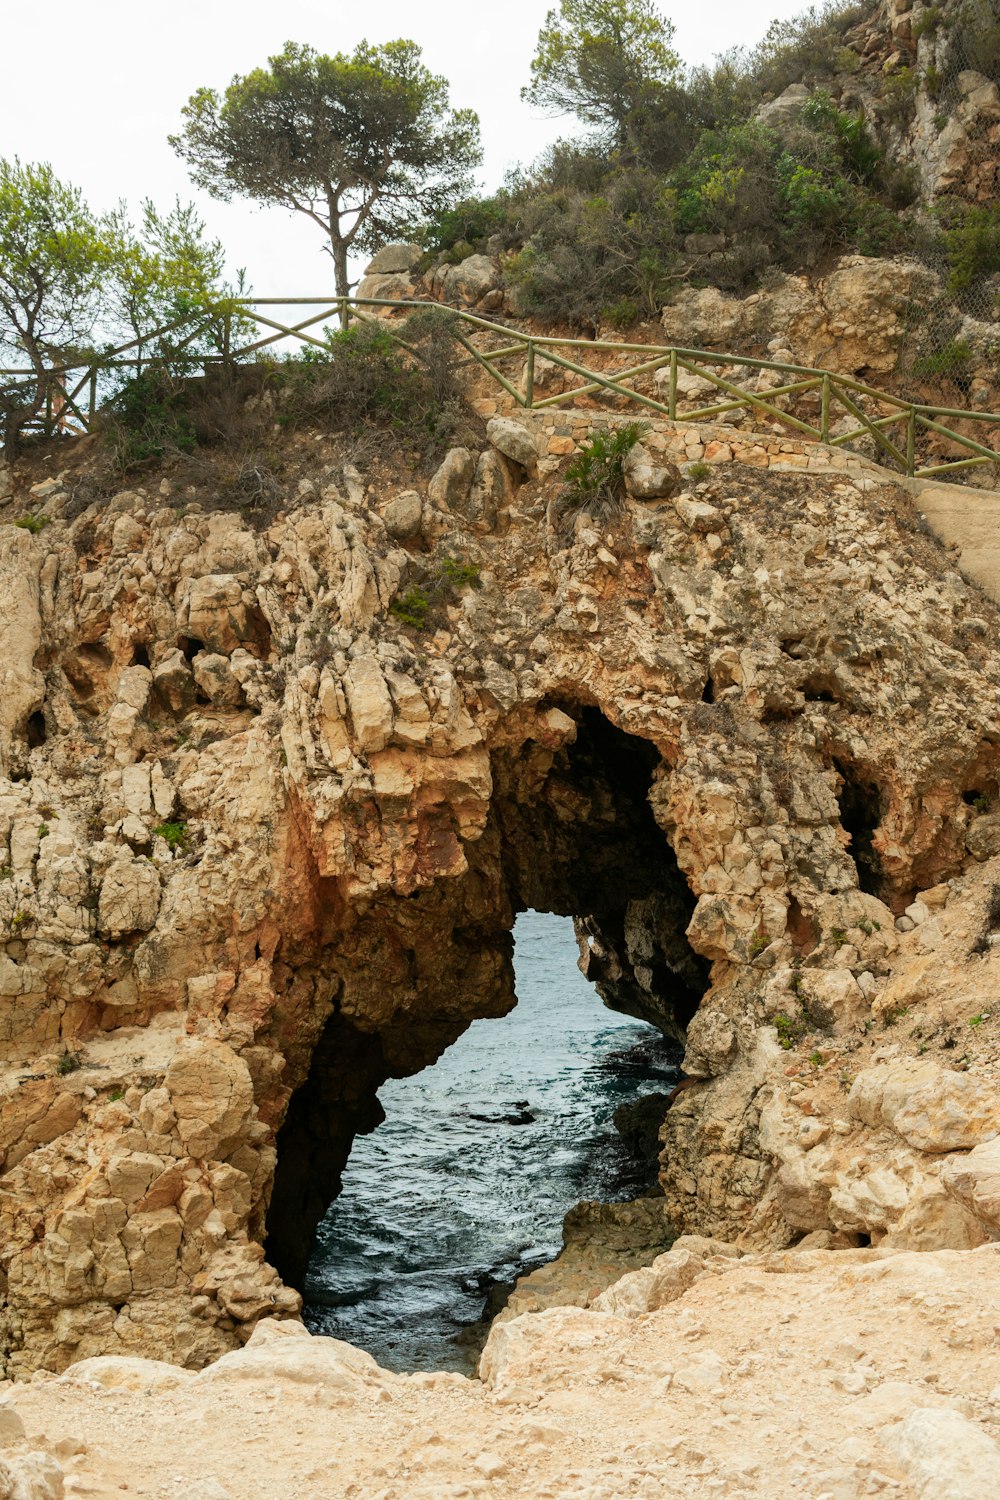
(263, 835)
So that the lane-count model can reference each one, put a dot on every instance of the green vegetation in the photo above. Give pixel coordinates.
(68, 1063)
(791, 1029)
(758, 943)
(971, 243)
(72, 280)
(978, 1020)
(606, 61)
(412, 608)
(365, 146)
(116, 1096)
(32, 522)
(699, 471)
(838, 936)
(174, 835)
(446, 580)
(595, 479)
(43, 830)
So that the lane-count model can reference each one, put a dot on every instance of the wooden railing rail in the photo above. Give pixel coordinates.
(74, 388)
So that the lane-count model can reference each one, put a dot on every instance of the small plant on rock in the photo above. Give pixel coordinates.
(68, 1063)
(699, 471)
(790, 1029)
(838, 936)
(412, 608)
(595, 480)
(174, 835)
(32, 522)
(758, 943)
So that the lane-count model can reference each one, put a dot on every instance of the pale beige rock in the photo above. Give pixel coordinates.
(654, 1286)
(22, 686)
(129, 898)
(450, 483)
(975, 1181)
(647, 480)
(514, 440)
(369, 703)
(945, 1456)
(933, 1108)
(403, 514)
(211, 1094)
(31, 1476)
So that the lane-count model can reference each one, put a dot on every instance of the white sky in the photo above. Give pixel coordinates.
(95, 89)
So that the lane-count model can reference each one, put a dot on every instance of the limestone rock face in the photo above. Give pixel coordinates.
(211, 1093)
(264, 846)
(975, 1181)
(851, 320)
(22, 687)
(931, 1107)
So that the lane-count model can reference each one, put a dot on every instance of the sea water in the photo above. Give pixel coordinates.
(480, 1156)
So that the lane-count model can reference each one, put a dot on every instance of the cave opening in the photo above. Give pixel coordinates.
(572, 835)
(860, 802)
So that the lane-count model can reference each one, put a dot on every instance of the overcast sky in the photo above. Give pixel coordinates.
(96, 88)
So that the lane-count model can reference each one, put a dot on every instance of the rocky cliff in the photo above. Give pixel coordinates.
(271, 798)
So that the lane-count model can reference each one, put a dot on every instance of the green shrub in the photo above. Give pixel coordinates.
(595, 479)
(971, 242)
(469, 225)
(147, 418)
(174, 835)
(33, 523)
(364, 379)
(951, 362)
(790, 1029)
(412, 608)
(68, 1063)
(446, 580)
(699, 471)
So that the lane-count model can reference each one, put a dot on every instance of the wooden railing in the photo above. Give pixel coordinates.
(73, 391)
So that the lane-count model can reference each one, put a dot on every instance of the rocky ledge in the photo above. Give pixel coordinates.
(271, 797)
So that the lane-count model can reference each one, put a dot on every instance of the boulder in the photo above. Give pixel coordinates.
(22, 686)
(652, 1287)
(944, 1456)
(450, 484)
(214, 675)
(31, 1476)
(282, 1350)
(514, 441)
(933, 1108)
(369, 703)
(129, 898)
(469, 281)
(493, 487)
(212, 610)
(403, 515)
(699, 515)
(394, 259)
(173, 682)
(647, 480)
(787, 106)
(974, 1180)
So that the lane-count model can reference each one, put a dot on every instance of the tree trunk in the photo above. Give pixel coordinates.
(340, 275)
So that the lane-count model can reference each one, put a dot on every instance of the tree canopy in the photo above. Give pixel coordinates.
(605, 61)
(365, 145)
(73, 282)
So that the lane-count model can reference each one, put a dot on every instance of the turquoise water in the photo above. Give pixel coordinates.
(479, 1158)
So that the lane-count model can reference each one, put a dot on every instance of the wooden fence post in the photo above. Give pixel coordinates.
(529, 376)
(672, 391)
